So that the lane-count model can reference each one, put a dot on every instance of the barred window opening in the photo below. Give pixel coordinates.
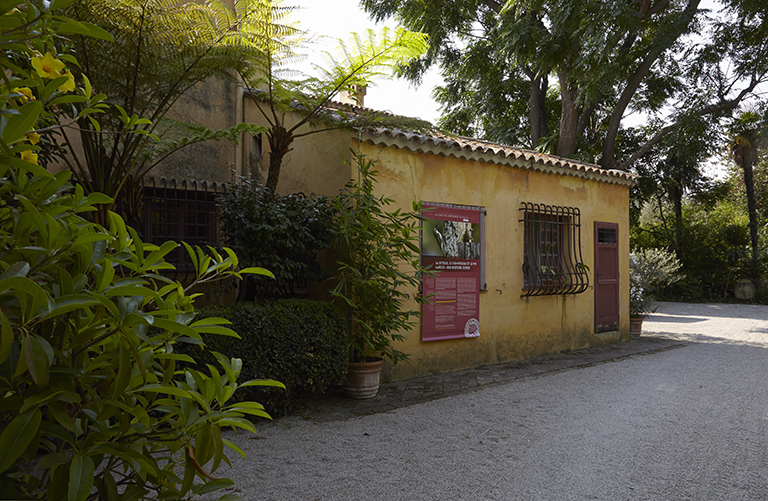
(179, 215)
(552, 261)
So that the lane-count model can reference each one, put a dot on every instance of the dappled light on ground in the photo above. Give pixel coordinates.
(742, 324)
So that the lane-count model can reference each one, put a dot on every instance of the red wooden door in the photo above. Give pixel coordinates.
(606, 277)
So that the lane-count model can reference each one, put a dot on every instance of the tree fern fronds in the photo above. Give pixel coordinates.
(370, 55)
(162, 48)
(267, 25)
(175, 135)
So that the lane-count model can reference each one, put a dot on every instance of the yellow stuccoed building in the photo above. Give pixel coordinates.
(547, 268)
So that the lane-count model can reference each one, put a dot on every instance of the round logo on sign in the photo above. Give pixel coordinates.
(472, 328)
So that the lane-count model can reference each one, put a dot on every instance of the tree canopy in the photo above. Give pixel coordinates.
(563, 76)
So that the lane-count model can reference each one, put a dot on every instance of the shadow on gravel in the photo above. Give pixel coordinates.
(724, 324)
(334, 406)
(703, 311)
(696, 338)
(676, 319)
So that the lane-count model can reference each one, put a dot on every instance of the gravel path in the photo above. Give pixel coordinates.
(687, 423)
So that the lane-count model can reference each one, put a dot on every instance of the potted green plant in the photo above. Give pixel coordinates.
(378, 270)
(649, 270)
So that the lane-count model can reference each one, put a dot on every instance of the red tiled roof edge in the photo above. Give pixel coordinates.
(478, 150)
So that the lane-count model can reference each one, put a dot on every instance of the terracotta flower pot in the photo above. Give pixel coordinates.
(635, 325)
(363, 379)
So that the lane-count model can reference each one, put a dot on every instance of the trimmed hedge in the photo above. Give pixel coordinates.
(298, 342)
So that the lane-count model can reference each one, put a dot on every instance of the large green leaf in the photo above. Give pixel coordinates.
(262, 382)
(6, 5)
(170, 390)
(23, 164)
(223, 331)
(210, 321)
(258, 271)
(25, 286)
(232, 445)
(6, 338)
(252, 408)
(158, 254)
(17, 436)
(204, 444)
(87, 29)
(39, 355)
(173, 326)
(215, 485)
(18, 125)
(124, 370)
(80, 478)
(19, 269)
(37, 399)
(69, 303)
(238, 423)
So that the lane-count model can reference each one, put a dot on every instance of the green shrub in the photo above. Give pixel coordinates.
(91, 393)
(280, 233)
(299, 342)
(650, 270)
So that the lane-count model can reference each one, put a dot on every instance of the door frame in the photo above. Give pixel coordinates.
(607, 327)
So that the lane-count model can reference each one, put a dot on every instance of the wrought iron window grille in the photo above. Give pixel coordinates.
(552, 260)
(180, 211)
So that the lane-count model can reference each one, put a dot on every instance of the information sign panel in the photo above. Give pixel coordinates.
(450, 246)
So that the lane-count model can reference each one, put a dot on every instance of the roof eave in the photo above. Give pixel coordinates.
(480, 151)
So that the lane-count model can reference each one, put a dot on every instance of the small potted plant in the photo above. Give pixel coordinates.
(649, 270)
(378, 270)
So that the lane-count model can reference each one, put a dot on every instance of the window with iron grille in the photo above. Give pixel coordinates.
(552, 262)
(179, 215)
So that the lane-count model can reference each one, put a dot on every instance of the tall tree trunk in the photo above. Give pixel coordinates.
(279, 145)
(569, 120)
(749, 185)
(676, 193)
(538, 109)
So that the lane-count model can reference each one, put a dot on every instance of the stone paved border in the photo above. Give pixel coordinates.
(335, 406)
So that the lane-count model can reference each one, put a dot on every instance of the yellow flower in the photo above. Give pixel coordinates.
(48, 66)
(33, 137)
(26, 93)
(29, 156)
(69, 85)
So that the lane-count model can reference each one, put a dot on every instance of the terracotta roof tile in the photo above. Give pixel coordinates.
(465, 148)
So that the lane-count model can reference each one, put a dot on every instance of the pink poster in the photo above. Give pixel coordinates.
(450, 247)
